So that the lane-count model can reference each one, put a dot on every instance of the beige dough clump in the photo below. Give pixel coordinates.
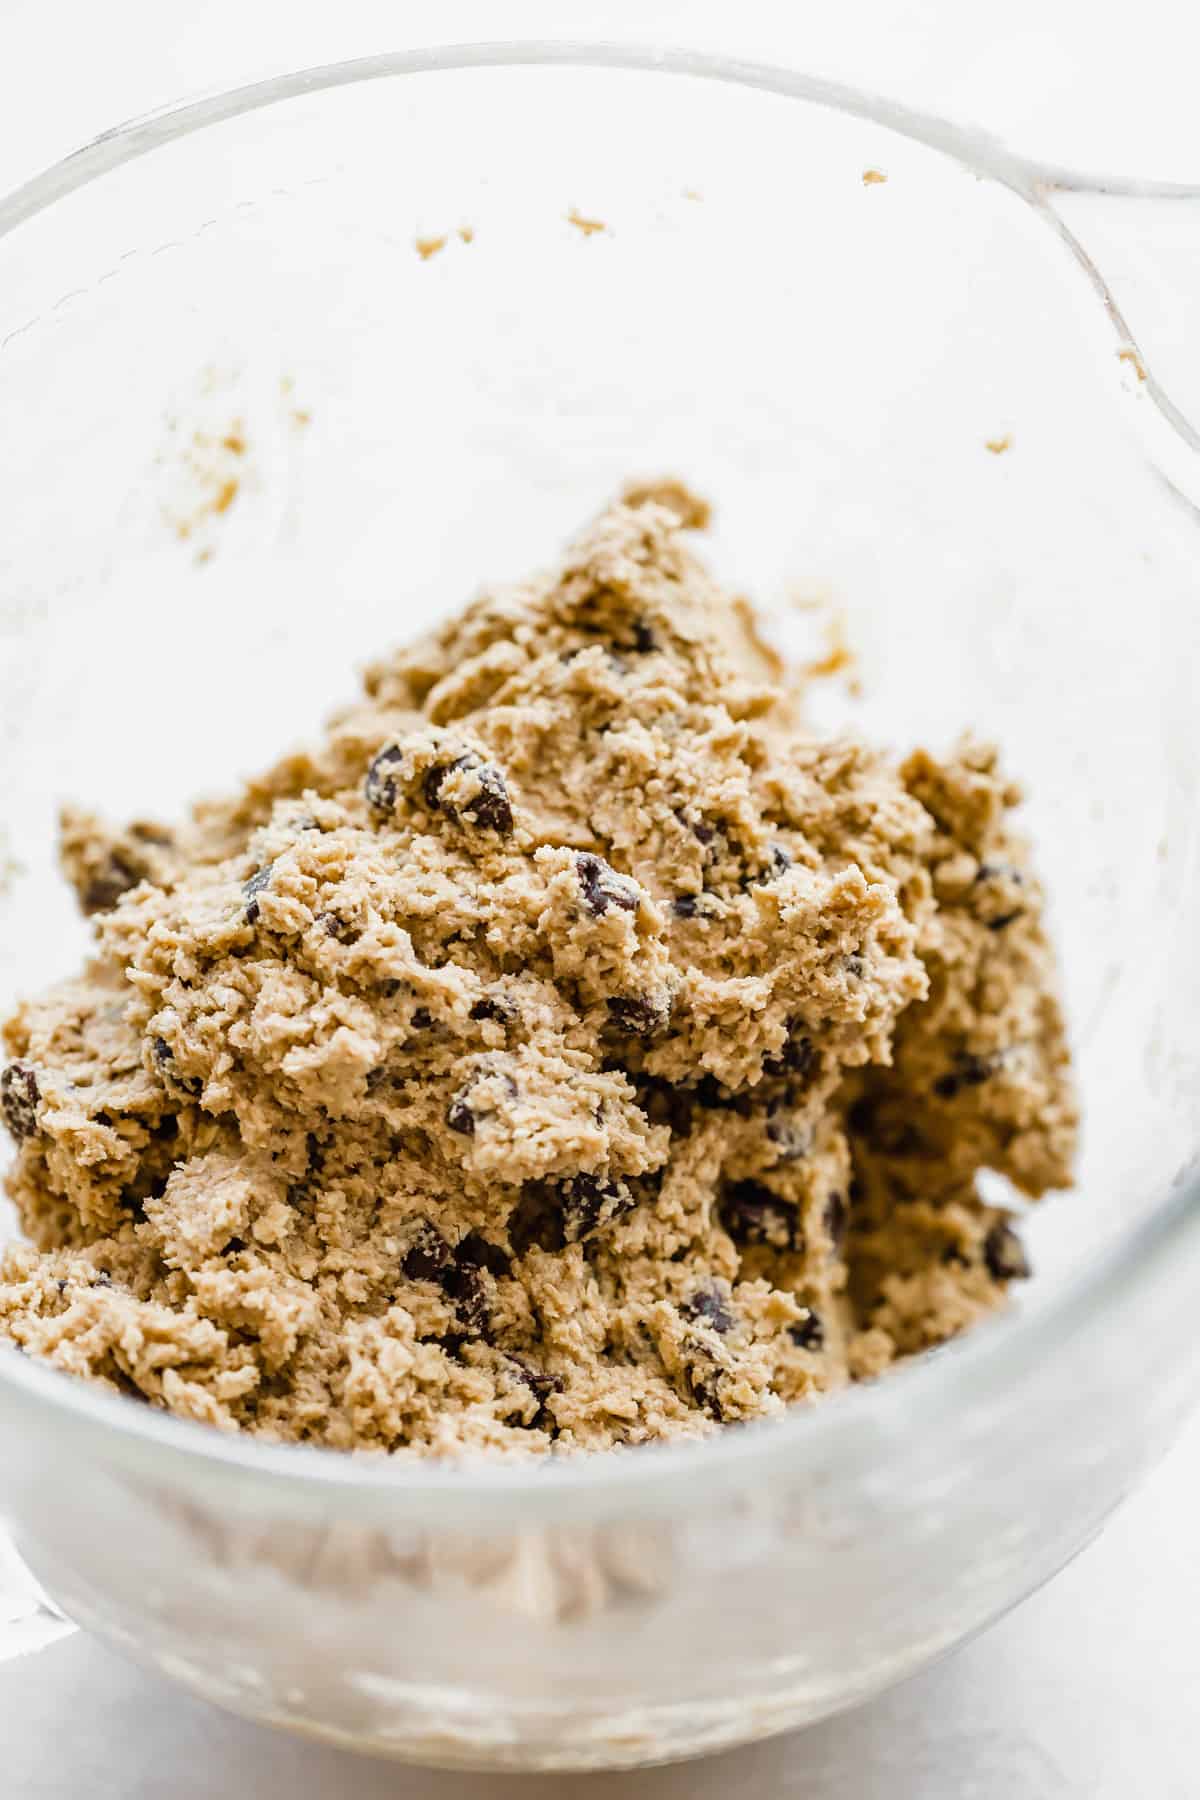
(567, 1051)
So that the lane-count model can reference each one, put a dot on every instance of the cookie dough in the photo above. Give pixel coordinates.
(568, 1051)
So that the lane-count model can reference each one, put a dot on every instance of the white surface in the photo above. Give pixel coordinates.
(1089, 1690)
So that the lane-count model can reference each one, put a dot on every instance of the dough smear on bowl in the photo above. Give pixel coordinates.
(569, 1050)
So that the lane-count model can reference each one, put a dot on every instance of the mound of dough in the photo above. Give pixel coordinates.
(568, 1051)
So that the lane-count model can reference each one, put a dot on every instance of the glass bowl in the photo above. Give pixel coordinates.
(287, 372)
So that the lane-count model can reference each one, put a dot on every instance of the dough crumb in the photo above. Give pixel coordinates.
(589, 227)
(567, 1050)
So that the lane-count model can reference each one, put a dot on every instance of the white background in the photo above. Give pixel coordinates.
(1090, 1691)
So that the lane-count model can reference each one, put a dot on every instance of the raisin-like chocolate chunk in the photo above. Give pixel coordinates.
(1004, 1254)
(536, 1219)
(603, 887)
(996, 905)
(639, 1015)
(497, 1007)
(107, 885)
(708, 1306)
(752, 1214)
(19, 1096)
(477, 1252)
(969, 1071)
(380, 786)
(459, 1116)
(836, 1218)
(422, 1019)
(489, 808)
(542, 1386)
(337, 927)
(703, 1379)
(591, 1202)
(168, 1070)
(428, 1256)
(431, 786)
(464, 1285)
(797, 1055)
(711, 1094)
(260, 880)
(808, 1333)
(644, 639)
(685, 906)
(665, 1104)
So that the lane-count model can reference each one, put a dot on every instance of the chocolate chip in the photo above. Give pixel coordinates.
(459, 1116)
(19, 1096)
(797, 1055)
(428, 1256)
(536, 1219)
(969, 1071)
(380, 786)
(708, 1307)
(590, 1203)
(422, 1018)
(1004, 1254)
(233, 1247)
(644, 639)
(603, 887)
(496, 1007)
(490, 809)
(808, 1333)
(704, 834)
(713, 1094)
(998, 877)
(107, 885)
(665, 1104)
(639, 1015)
(836, 1218)
(779, 862)
(434, 780)
(855, 966)
(477, 1252)
(540, 1385)
(164, 1056)
(685, 906)
(251, 889)
(703, 1382)
(337, 927)
(465, 1286)
(752, 1214)
(488, 806)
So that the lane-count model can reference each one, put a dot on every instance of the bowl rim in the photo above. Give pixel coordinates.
(994, 1361)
